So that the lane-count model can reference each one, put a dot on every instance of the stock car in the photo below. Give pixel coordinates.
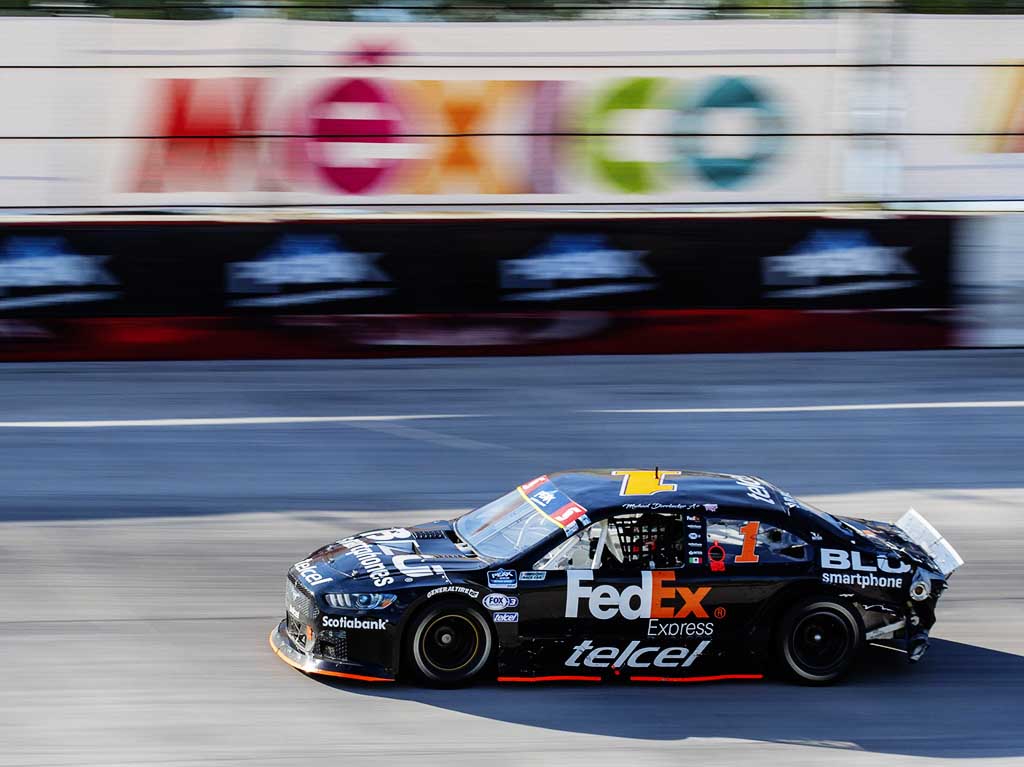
(629, 575)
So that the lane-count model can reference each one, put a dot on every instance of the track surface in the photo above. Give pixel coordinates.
(142, 567)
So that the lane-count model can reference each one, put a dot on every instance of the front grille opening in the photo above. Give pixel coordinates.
(296, 631)
(299, 603)
(333, 644)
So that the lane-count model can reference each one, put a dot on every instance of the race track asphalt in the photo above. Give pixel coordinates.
(142, 565)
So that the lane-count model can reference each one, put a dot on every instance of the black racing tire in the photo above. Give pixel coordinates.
(449, 644)
(818, 640)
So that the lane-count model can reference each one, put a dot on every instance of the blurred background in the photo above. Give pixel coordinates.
(241, 180)
(275, 272)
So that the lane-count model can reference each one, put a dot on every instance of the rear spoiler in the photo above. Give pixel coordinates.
(921, 532)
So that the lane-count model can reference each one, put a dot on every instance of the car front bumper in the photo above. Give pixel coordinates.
(287, 650)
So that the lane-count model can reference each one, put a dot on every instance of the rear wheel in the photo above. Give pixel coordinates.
(450, 644)
(818, 641)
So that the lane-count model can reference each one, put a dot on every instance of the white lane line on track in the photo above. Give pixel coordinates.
(251, 421)
(826, 408)
(429, 436)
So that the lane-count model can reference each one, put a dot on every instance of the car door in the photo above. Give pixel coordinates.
(543, 581)
(604, 589)
(749, 560)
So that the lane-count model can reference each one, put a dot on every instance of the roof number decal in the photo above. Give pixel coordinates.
(645, 482)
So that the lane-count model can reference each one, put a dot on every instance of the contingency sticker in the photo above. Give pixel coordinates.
(548, 500)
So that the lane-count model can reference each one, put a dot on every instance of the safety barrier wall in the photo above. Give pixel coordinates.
(419, 285)
(122, 114)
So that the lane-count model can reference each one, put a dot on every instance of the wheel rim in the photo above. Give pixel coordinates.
(820, 641)
(449, 643)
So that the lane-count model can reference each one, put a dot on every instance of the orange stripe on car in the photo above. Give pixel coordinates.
(718, 678)
(342, 674)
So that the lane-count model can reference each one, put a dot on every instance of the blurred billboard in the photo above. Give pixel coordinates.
(958, 95)
(260, 112)
(433, 286)
(610, 137)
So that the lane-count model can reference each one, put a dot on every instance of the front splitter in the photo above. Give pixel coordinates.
(282, 646)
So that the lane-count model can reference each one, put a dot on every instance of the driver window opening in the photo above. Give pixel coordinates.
(745, 541)
(631, 542)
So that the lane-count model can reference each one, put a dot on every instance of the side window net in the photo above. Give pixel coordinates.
(628, 542)
(650, 541)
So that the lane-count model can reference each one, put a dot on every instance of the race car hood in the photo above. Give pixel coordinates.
(889, 538)
(398, 555)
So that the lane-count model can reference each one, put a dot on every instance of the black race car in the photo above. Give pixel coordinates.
(629, 575)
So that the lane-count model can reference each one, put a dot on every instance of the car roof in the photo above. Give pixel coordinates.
(609, 490)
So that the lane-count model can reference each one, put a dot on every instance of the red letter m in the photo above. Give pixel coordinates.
(202, 132)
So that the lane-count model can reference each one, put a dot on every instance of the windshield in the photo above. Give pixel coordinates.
(504, 528)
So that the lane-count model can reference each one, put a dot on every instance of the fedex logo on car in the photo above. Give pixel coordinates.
(652, 598)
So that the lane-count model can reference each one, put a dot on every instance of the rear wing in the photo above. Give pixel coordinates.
(921, 532)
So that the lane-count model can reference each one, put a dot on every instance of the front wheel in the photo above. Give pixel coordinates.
(818, 641)
(450, 644)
